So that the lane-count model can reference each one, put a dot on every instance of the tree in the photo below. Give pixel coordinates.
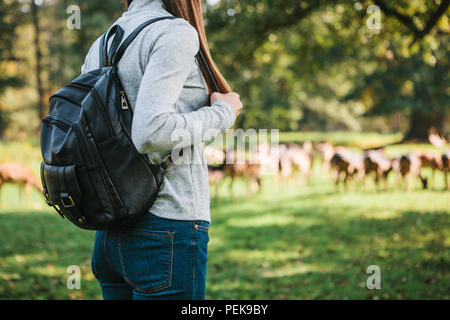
(295, 63)
(411, 74)
(38, 56)
(324, 51)
(10, 18)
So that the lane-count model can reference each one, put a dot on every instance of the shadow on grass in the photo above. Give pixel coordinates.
(328, 258)
(298, 253)
(31, 231)
(36, 248)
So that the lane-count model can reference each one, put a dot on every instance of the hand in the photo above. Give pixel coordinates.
(232, 99)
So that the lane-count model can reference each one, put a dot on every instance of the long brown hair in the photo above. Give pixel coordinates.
(191, 11)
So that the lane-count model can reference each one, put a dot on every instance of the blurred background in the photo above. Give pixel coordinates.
(360, 93)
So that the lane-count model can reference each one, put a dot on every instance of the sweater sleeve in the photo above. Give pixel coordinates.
(157, 126)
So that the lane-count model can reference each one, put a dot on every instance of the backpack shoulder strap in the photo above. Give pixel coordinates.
(202, 59)
(115, 54)
(106, 57)
(133, 35)
(101, 58)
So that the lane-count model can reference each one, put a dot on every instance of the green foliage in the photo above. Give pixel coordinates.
(9, 21)
(294, 63)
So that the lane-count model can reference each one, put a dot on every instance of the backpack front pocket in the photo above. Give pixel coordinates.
(62, 191)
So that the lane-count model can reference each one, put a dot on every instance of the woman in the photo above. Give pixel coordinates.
(164, 255)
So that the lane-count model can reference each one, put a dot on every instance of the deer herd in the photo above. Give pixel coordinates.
(294, 162)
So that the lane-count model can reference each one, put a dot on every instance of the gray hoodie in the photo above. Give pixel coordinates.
(169, 98)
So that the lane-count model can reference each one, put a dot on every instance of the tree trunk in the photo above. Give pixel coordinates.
(420, 124)
(38, 56)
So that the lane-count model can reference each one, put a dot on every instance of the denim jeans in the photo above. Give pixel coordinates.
(155, 259)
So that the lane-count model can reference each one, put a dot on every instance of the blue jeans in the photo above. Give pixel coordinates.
(155, 259)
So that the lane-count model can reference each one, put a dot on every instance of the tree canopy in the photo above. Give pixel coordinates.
(298, 65)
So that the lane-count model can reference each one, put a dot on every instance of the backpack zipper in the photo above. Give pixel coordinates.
(101, 109)
(87, 147)
(124, 100)
(79, 86)
(59, 122)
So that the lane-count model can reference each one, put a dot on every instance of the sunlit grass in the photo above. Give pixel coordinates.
(353, 139)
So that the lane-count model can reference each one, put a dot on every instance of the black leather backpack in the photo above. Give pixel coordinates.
(91, 173)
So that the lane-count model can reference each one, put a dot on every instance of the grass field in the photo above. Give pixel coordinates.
(288, 242)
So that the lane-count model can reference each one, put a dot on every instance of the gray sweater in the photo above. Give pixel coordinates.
(169, 97)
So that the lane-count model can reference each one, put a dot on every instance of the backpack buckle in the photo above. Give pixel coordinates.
(65, 197)
(167, 162)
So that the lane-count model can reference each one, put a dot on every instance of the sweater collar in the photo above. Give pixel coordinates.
(141, 4)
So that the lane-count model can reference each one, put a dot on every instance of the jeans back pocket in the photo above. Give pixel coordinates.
(146, 259)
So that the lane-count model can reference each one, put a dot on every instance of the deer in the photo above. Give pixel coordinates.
(21, 175)
(433, 161)
(408, 166)
(347, 163)
(216, 174)
(376, 162)
(301, 159)
(268, 157)
(446, 167)
(326, 151)
(435, 138)
(308, 148)
(215, 159)
(250, 172)
(233, 169)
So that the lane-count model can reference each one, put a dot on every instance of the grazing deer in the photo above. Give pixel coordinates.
(326, 152)
(408, 166)
(214, 155)
(215, 159)
(376, 162)
(348, 164)
(308, 148)
(433, 161)
(216, 175)
(284, 162)
(268, 157)
(301, 159)
(446, 167)
(21, 175)
(294, 159)
(234, 169)
(435, 138)
(250, 172)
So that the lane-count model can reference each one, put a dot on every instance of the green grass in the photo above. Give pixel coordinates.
(288, 242)
(316, 243)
